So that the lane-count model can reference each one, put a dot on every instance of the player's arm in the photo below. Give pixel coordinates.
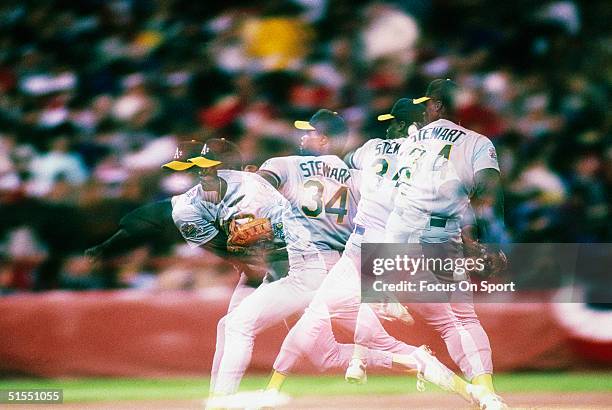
(487, 203)
(355, 159)
(194, 228)
(274, 171)
(143, 225)
(487, 197)
(479, 239)
(147, 224)
(271, 178)
(348, 159)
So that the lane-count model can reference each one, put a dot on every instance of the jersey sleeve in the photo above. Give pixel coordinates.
(191, 223)
(276, 169)
(484, 156)
(355, 184)
(148, 218)
(357, 159)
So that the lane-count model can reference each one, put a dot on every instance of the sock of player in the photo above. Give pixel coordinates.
(276, 381)
(485, 380)
(460, 387)
(360, 352)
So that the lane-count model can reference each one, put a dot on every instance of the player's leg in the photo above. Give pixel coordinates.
(331, 355)
(265, 307)
(477, 367)
(241, 291)
(427, 367)
(462, 346)
(312, 336)
(473, 355)
(370, 332)
(314, 339)
(430, 369)
(457, 323)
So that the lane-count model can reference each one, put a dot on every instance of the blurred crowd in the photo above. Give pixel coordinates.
(94, 96)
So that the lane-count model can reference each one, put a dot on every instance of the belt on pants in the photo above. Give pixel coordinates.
(434, 221)
(437, 222)
(319, 256)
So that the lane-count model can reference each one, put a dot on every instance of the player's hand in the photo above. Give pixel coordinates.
(94, 254)
(494, 260)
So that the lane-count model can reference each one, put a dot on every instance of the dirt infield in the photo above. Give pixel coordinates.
(373, 402)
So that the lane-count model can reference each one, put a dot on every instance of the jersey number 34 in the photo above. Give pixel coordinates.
(312, 205)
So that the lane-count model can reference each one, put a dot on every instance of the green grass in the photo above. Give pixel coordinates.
(79, 390)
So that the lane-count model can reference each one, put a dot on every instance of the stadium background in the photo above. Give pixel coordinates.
(94, 96)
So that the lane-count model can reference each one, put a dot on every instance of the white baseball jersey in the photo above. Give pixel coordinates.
(438, 166)
(378, 159)
(200, 215)
(323, 192)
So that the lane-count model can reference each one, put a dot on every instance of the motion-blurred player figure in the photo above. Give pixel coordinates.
(443, 166)
(203, 217)
(339, 296)
(226, 201)
(152, 224)
(323, 196)
(322, 190)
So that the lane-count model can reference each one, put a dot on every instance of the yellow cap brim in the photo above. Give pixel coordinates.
(203, 162)
(303, 125)
(178, 165)
(420, 100)
(385, 117)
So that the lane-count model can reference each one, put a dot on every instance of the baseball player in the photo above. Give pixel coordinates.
(323, 193)
(153, 224)
(321, 188)
(323, 198)
(339, 295)
(444, 166)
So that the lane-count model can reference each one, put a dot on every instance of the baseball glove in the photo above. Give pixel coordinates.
(253, 233)
(494, 260)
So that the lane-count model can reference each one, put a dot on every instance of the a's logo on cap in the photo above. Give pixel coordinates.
(178, 154)
(205, 150)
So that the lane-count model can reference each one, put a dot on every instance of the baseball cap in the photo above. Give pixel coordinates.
(184, 151)
(325, 122)
(217, 151)
(403, 109)
(440, 89)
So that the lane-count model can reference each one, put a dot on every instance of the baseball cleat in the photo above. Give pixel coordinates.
(428, 368)
(432, 370)
(484, 398)
(250, 400)
(356, 372)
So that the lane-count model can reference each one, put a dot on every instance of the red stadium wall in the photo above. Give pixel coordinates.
(130, 333)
